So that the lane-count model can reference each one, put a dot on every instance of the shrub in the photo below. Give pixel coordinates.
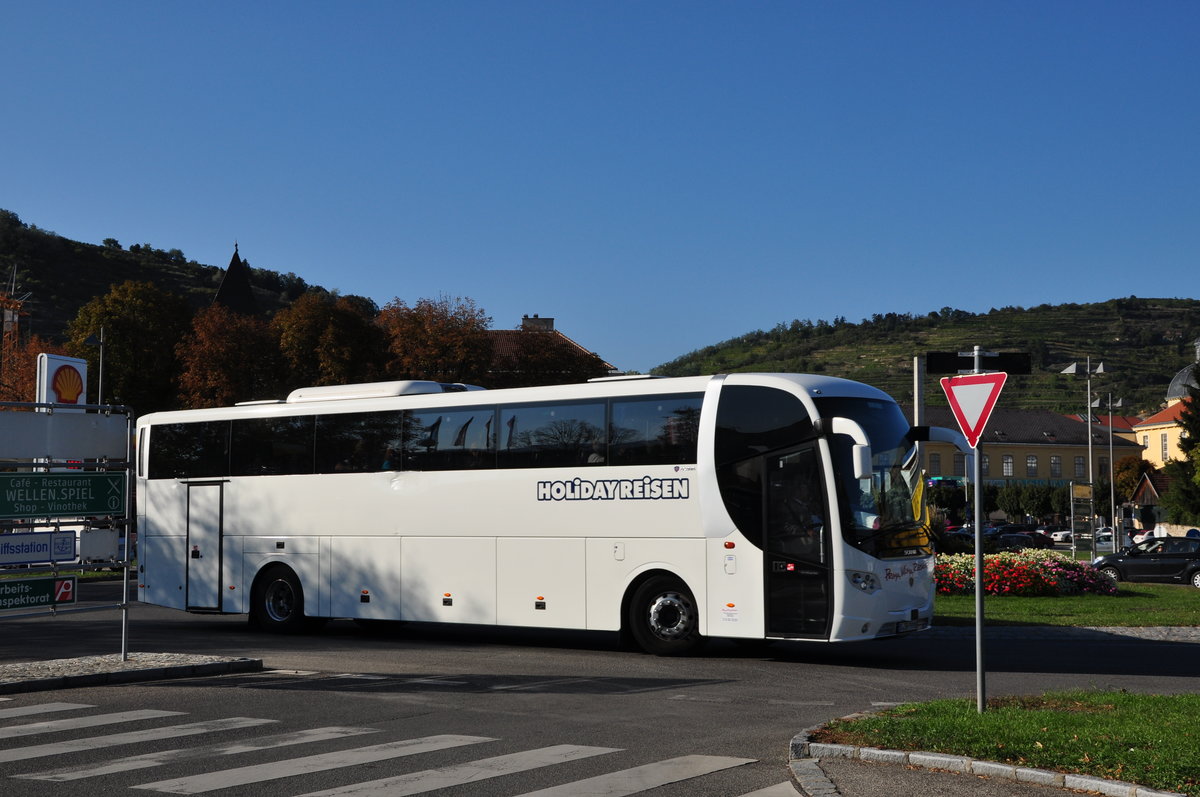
(1027, 572)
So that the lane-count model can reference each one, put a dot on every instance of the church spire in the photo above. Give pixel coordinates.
(235, 291)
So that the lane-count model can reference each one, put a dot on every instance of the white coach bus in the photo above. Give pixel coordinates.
(749, 506)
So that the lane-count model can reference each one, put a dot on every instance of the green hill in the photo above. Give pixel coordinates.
(1143, 343)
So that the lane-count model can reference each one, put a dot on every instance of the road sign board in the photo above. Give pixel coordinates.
(953, 362)
(972, 398)
(32, 593)
(43, 495)
(37, 548)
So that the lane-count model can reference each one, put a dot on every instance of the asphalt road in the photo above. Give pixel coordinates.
(519, 699)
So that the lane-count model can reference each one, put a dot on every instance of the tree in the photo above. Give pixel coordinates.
(440, 339)
(1010, 499)
(18, 381)
(331, 340)
(951, 500)
(1181, 501)
(1036, 500)
(228, 357)
(142, 325)
(1127, 474)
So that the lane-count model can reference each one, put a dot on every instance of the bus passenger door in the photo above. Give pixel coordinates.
(204, 518)
(797, 545)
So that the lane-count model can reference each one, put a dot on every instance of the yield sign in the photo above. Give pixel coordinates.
(972, 398)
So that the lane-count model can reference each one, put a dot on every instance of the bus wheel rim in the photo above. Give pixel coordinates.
(670, 616)
(280, 601)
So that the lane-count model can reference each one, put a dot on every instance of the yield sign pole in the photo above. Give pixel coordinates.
(972, 398)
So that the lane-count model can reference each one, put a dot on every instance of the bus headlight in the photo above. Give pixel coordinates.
(865, 582)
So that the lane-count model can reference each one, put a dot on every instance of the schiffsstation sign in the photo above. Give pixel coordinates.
(45, 495)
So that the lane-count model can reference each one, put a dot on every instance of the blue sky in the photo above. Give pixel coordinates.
(657, 176)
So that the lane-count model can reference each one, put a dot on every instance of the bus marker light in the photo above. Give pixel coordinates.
(731, 605)
(730, 545)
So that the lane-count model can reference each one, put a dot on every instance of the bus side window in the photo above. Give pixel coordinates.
(358, 442)
(562, 434)
(189, 450)
(459, 439)
(272, 446)
(661, 430)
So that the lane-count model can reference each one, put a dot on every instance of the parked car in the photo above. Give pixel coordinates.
(1041, 539)
(1141, 536)
(1013, 542)
(1155, 559)
(1057, 533)
(1104, 535)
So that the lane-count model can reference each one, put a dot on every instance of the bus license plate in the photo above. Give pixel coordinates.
(911, 625)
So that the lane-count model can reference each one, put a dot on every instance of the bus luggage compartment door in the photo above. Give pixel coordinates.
(204, 519)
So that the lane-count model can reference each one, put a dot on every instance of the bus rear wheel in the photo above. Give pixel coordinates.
(277, 602)
(663, 618)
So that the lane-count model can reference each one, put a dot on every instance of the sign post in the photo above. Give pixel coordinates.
(972, 398)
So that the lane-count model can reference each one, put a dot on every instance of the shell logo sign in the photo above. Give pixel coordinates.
(67, 384)
(61, 380)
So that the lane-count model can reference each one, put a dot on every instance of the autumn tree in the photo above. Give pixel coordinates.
(18, 382)
(1127, 474)
(142, 325)
(228, 357)
(331, 340)
(443, 339)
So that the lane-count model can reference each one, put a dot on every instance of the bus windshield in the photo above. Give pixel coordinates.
(882, 515)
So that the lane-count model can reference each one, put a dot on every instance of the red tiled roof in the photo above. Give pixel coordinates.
(506, 344)
(1169, 415)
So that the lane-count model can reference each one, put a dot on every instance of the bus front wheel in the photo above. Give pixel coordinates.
(277, 602)
(663, 618)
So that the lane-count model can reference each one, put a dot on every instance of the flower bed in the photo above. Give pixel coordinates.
(1027, 572)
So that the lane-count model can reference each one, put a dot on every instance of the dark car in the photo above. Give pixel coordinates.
(1013, 542)
(1155, 559)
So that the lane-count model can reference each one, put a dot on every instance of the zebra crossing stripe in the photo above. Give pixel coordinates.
(130, 737)
(471, 772)
(649, 776)
(41, 708)
(211, 781)
(75, 723)
(149, 760)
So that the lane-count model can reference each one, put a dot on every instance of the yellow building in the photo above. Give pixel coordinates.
(1159, 434)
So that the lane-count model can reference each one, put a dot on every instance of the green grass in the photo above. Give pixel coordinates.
(1150, 740)
(1134, 605)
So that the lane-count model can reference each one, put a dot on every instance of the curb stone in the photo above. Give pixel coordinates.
(805, 754)
(103, 670)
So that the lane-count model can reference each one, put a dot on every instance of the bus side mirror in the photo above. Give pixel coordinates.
(860, 453)
(862, 461)
(940, 434)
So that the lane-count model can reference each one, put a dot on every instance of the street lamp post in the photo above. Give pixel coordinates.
(1112, 485)
(1073, 368)
(93, 341)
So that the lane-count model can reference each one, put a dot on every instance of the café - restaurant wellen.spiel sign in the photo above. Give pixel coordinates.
(45, 495)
